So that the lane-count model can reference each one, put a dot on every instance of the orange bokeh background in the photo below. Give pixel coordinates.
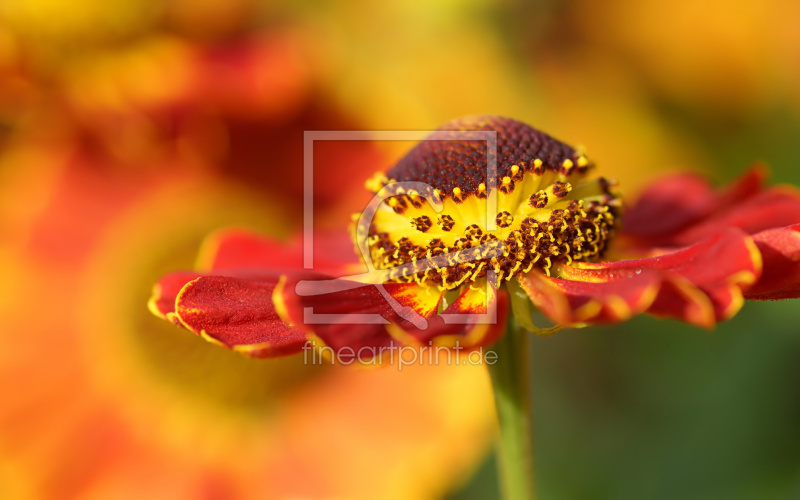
(129, 130)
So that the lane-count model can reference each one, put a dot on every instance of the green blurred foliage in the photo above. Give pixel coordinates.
(655, 409)
(659, 410)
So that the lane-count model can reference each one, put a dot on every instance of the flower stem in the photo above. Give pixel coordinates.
(511, 382)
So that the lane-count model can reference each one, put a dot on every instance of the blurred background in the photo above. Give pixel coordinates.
(131, 129)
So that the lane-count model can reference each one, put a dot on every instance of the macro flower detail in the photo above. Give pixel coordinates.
(461, 232)
(546, 209)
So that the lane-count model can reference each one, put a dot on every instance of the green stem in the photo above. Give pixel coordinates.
(511, 381)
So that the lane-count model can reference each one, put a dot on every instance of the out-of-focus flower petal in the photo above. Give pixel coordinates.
(674, 202)
(264, 75)
(232, 249)
(780, 251)
(775, 207)
(568, 302)
(745, 186)
(669, 204)
(700, 284)
(238, 314)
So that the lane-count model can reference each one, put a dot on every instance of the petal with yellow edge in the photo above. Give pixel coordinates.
(238, 314)
(354, 316)
(476, 318)
(713, 272)
(780, 251)
(162, 302)
(369, 319)
(569, 302)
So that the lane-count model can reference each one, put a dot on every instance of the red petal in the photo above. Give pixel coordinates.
(699, 284)
(162, 302)
(238, 314)
(720, 266)
(344, 315)
(679, 298)
(669, 204)
(361, 318)
(673, 203)
(745, 186)
(780, 251)
(776, 207)
(242, 249)
(568, 302)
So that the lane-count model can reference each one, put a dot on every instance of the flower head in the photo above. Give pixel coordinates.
(546, 211)
(444, 263)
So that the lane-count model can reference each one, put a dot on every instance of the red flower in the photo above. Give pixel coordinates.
(691, 253)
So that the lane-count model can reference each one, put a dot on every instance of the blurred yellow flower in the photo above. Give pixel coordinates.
(112, 175)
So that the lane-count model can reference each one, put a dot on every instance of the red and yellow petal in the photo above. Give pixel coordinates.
(368, 319)
(162, 302)
(237, 314)
(476, 318)
(780, 251)
(699, 284)
(679, 298)
(424, 300)
(569, 302)
(352, 316)
(721, 266)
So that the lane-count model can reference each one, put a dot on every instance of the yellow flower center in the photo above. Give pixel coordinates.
(539, 209)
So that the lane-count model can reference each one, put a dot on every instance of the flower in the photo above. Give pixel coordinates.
(431, 253)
